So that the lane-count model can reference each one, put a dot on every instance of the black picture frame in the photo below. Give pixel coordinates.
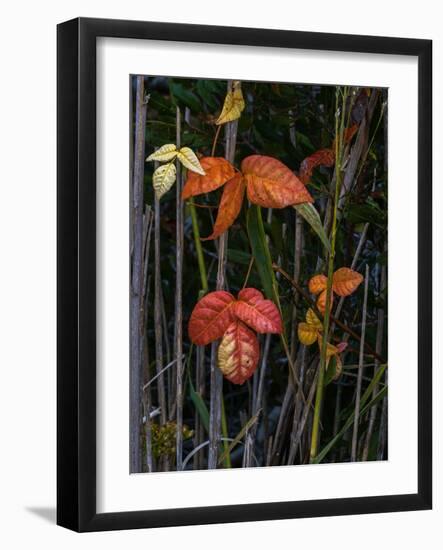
(76, 280)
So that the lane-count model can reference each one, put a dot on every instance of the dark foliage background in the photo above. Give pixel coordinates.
(289, 122)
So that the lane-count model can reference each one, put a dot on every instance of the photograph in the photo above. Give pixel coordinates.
(258, 267)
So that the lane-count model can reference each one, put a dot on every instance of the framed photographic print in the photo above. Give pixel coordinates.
(244, 274)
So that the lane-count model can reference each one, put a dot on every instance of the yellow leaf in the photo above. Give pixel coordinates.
(189, 159)
(163, 179)
(233, 105)
(313, 320)
(164, 154)
(330, 349)
(338, 367)
(307, 334)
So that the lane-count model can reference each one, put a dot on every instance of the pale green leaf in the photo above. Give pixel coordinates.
(310, 214)
(164, 154)
(163, 179)
(189, 159)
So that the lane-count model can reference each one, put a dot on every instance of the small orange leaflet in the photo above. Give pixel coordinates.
(345, 281)
(230, 206)
(217, 172)
(323, 157)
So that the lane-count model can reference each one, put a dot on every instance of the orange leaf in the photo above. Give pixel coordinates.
(345, 281)
(272, 184)
(230, 206)
(238, 353)
(323, 157)
(321, 301)
(260, 314)
(317, 283)
(217, 172)
(211, 317)
(350, 132)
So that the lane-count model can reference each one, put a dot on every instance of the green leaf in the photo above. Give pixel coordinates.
(260, 251)
(207, 91)
(238, 256)
(184, 97)
(200, 405)
(310, 214)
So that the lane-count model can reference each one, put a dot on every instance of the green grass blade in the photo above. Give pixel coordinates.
(310, 214)
(364, 407)
(240, 436)
(260, 251)
(199, 404)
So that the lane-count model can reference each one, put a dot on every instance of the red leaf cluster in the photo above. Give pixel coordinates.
(220, 315)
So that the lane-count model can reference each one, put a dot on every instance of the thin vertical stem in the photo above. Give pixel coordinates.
(200, 388)
(198, 248)
(296, 276)
(136, 381)
(158, 331)
(147, 398)
(360, 371)
(178, 302)
(339, 129)
(298, 407)
(216, 375)
(378, 349)
(306, 411)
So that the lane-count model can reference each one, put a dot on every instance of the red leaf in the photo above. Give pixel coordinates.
(218, 171)
(272, 184)
(211, 317)
(260, 314)
(323, 157)
(230, 206)
(238, 353)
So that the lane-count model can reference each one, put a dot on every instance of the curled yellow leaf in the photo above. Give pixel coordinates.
(164, 154)
(163, 179)
(338, 367)
(313, 320)
(307, 334)
(190, 161)
(233, 105)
